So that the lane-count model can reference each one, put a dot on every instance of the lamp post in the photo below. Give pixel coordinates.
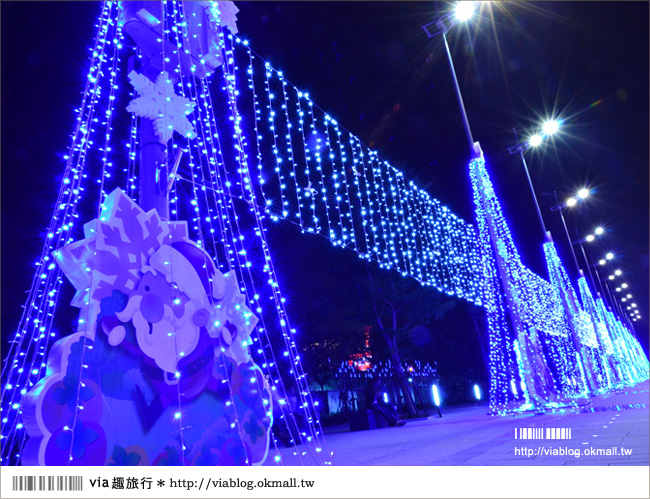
(548, 128)
(441, 26)
(599, 231)
(572, 201)
(616, 306)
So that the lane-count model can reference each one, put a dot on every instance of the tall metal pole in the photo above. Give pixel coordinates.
(605, 289)
(615, 303)
(153, 161)
(468, 131)
(584, 255)
(530, 184)
(566, 231)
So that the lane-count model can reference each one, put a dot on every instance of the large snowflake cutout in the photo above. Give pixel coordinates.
(159, 102)
(223, 14)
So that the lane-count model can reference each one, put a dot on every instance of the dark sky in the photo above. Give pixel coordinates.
(370, 65)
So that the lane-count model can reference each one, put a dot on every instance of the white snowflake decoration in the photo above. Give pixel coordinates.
(159, 102)
(223, 14)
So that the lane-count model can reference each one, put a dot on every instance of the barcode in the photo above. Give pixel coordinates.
(543, 433)
(33, 482)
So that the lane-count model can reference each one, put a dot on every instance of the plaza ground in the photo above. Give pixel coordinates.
(467, 436)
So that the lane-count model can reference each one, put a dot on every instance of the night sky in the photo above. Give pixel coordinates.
(371, 66)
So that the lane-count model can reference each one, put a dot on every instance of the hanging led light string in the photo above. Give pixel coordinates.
(258, 118)
(422, 255)
(132, 146)
(342, 179)
(398, 210)
(234, 230)
(245, 266)
(43, 344)
(319, 190)
(336, 233)
(46, 275)
(388, 189)
(383, 218)
(179, 415)
(410, 229)
(297, 209)
(284, 204)
(345, 216)
(426, 237)
(105, 175)
(287, 332)
(308, 192)
(358, 169)
(34, 333)
(202, 149)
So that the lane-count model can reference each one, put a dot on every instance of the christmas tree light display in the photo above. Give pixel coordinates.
(183, 349)
(541, 337)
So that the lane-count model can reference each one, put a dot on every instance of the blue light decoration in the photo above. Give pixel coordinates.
(315, 174)
(259, 151)
(581, 327)
(541, 337)
(212, 191)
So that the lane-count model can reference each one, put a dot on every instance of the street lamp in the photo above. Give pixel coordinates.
(598, 282)
(464, 10)
(572, 201)
(462, 13)
(548, 128)
(619, 289)
(590, 238)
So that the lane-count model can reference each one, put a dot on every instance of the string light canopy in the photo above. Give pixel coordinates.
(161, 229)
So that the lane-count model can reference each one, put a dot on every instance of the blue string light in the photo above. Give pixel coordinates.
(264, 152)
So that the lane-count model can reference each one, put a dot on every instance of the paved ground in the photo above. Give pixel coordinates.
(468, 436)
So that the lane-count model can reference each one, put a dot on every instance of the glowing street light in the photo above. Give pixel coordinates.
(440, 26)
(464, 11)
(590, 238)
(617, 272)
(550, 127)
(573, 200)
(599, 231)
(609, 255)
(602, 261)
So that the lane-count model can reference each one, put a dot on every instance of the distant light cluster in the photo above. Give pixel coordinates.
(541, 337)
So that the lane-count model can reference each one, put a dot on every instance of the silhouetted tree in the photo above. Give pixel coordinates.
(398, 304)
